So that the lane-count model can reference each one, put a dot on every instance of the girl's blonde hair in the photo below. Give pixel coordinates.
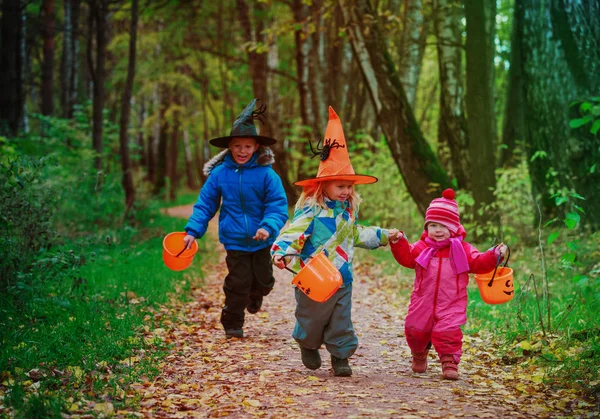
(314, 196)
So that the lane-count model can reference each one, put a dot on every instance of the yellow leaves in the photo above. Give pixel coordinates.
(76, 372)
(253, 403)
(526, 345)
(312, 378)
(129, 362)
(104, 408)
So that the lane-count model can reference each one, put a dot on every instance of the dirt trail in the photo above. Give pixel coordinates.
(261, 375)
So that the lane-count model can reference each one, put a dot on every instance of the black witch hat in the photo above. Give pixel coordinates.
(244, 127)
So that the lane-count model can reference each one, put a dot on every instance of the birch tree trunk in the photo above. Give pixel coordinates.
(411, 49)
(480, 16)
(452, 127)
(100, 11)
(127, 178)
(420, 169)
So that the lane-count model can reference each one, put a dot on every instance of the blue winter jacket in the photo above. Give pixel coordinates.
(252, 197)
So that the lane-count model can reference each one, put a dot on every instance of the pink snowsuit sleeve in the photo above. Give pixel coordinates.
(480, 263)
(405, 253)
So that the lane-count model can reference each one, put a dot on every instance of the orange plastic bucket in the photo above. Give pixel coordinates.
(173, 254)
(497, 287)
(318, 279)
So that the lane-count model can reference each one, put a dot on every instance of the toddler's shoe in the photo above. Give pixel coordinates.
(449, 367)
(340, 367)
(311, 358)
(234, 333)
(419, 361)
(255, 305)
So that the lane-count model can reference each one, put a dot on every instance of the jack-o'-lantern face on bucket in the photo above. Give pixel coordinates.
(509, 287)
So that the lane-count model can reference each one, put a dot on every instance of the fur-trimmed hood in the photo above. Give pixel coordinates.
(265, 158)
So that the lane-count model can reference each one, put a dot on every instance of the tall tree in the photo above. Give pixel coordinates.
(452, 127)
(70, 60)
(514, 125)
(561, 158)
(11, 69)
(254, 33)
(420, 169)
(99, 10)
(48, 52)
(480, 47)
(127, 177)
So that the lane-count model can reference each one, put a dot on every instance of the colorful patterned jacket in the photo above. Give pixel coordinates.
(334, 229)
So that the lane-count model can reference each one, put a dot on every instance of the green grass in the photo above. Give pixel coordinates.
(89, 318)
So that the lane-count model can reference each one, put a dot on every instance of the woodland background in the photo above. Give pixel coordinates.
(107, 107)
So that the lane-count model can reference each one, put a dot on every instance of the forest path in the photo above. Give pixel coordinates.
(261, 375)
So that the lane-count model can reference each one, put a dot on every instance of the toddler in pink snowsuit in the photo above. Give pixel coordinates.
(438, 304)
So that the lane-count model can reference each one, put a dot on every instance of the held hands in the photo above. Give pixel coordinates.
(501, 250)
(279, 261)
(261, 234)
(395, 235)
(189, 240)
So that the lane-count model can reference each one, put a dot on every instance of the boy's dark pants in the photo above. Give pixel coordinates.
(250, 277)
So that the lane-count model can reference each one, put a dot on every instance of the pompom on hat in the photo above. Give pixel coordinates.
(335, 160)
(244, 127)
(444, 211)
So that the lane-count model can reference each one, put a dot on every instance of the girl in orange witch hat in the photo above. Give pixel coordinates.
(325, 218)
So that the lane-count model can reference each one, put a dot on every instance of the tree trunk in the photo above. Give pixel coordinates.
(189, 171)
(411, 48)
(161, 152)
(66, 64)
(480, 17)
(560, 158)
(11, 69)
(100, 11)
(452, 127)
(48, 53)
(74, 83)
(258, 71)
(173, 153)
(127, 178)
(514, 128)
(420, 169)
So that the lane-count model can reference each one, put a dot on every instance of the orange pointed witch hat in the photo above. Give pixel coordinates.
(335, 161)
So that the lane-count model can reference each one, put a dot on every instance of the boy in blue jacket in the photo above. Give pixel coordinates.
(253, 208)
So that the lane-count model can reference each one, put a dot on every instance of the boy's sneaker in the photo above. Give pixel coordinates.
(419, 361)
(234, 333)
(340, 367)
(449, 367)
(255, 305)
(311, 358)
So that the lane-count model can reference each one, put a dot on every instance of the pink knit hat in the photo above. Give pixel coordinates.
(444, 211)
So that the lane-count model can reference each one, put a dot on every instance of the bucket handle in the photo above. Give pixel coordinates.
(498, 264)
(182, 250)
(297, 255)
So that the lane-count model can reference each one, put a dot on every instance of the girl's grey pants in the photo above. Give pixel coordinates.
(326, 323)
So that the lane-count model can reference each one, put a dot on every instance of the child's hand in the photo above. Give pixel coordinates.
(395, 235)
(189, 241)
(261, 234)
(279, 261)
(501, 250)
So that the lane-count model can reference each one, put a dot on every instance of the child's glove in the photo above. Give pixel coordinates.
(279, 261)
(395, 235)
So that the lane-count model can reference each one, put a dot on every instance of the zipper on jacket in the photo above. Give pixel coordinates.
(243, 206)
(437, 286)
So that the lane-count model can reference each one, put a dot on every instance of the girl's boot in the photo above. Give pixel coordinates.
(341, 368)
(419, 361)
(449, 367)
